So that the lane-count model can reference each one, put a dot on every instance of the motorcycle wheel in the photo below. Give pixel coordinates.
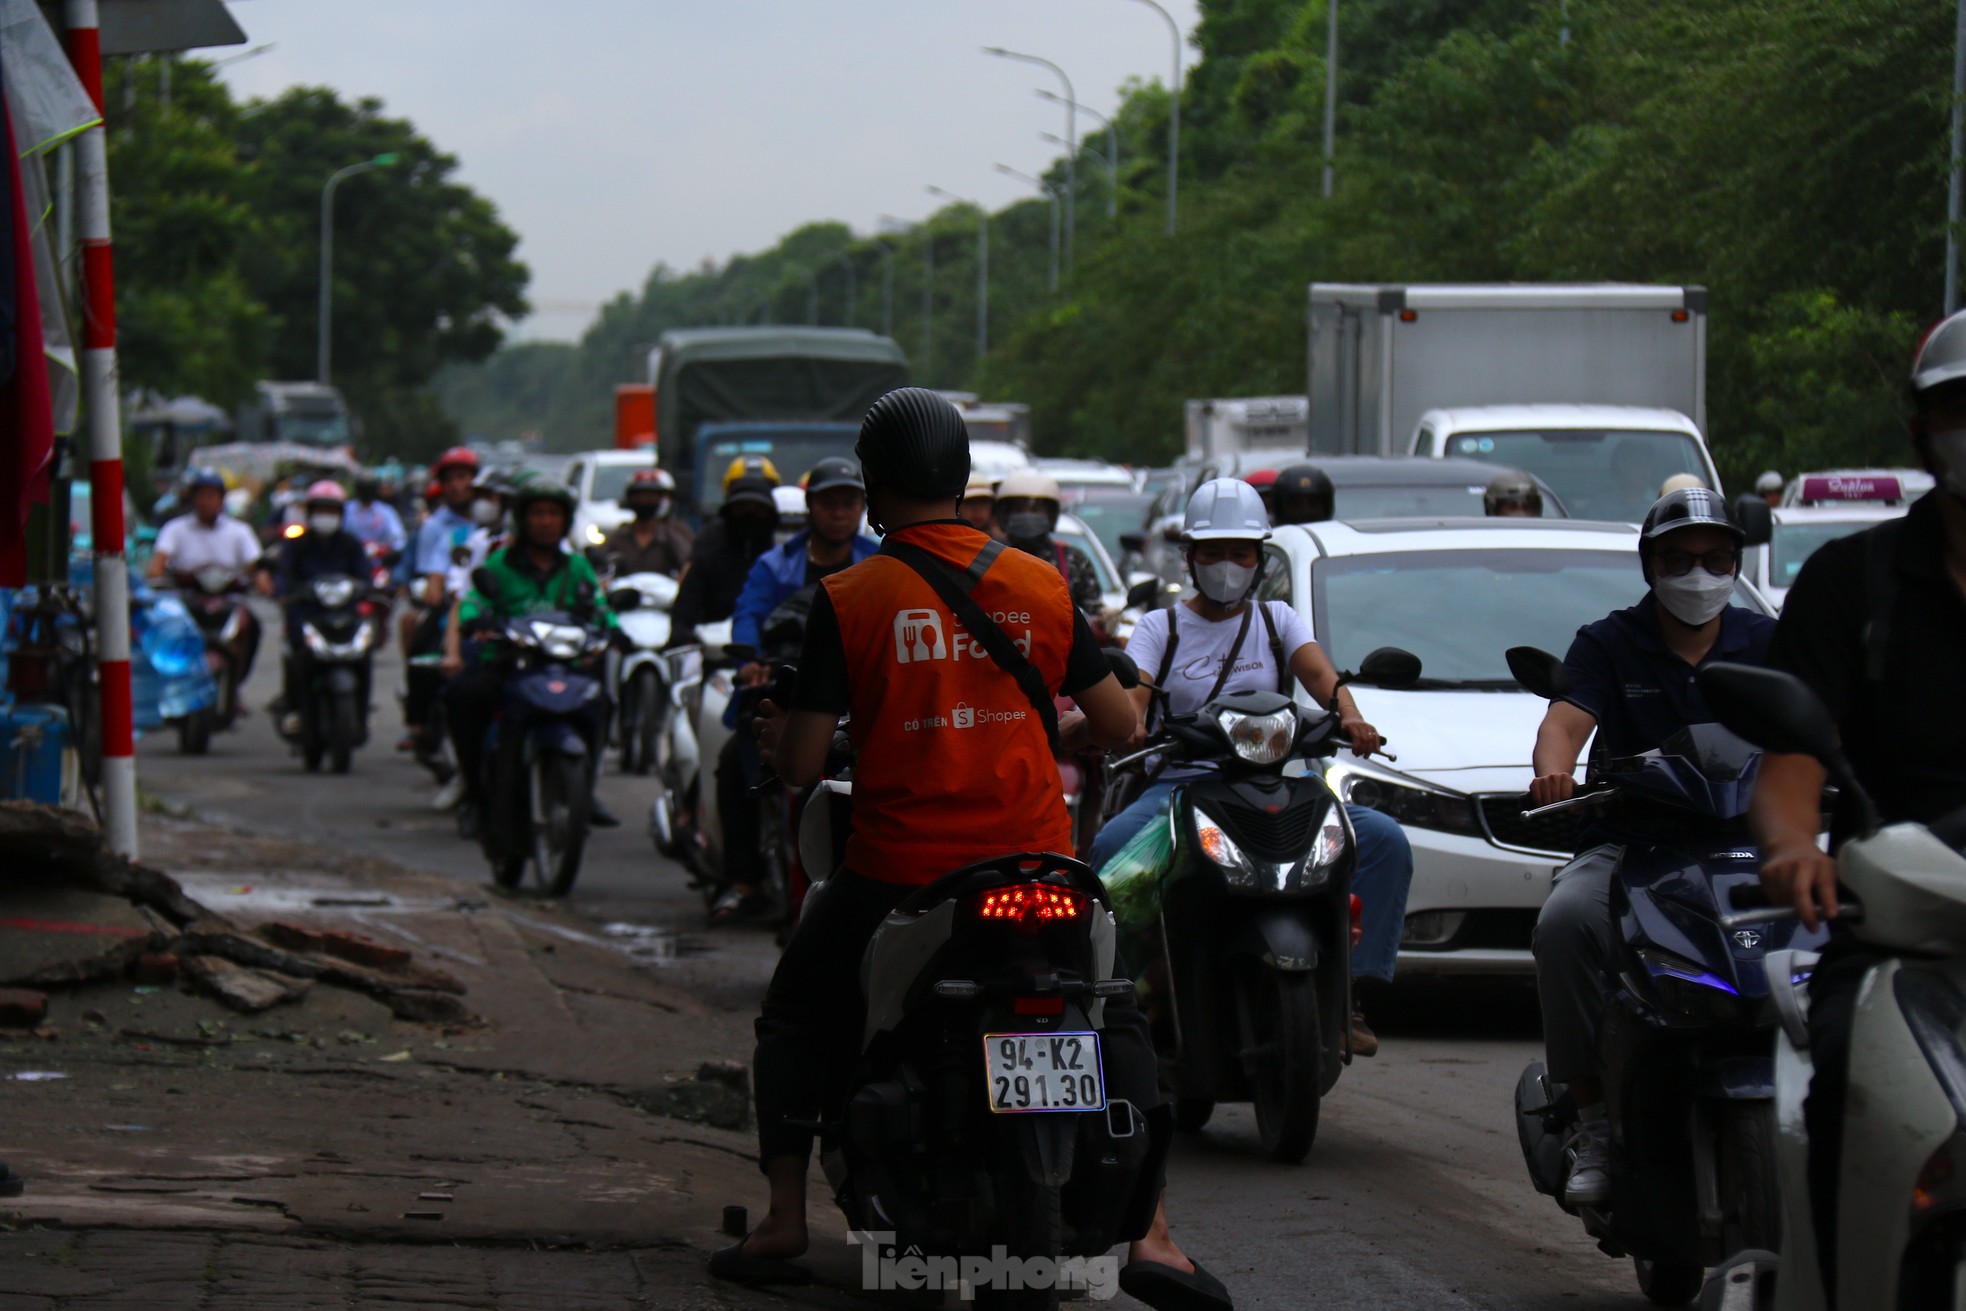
(1749, 1191)
(194, 731)
(645, 729)
(625, 723)
(1191, 1114)
(344, 726)
(1277, 1025)
(508, 871)
(1030, 1223)
(313, 746)
(559, 827)
(1668, 1283)
(774, 846)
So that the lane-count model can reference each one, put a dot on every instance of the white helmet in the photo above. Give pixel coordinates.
(1679, 482)
(1768, 482)
(1030, 485)
(1942, 355)
(1225, 509)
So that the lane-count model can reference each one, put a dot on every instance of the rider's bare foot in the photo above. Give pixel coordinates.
(1158, 1245)
(777, 1236)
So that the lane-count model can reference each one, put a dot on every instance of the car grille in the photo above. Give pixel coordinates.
(1286, 835)
(1556, 834)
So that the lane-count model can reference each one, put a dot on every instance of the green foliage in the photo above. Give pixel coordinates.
(1789, 155)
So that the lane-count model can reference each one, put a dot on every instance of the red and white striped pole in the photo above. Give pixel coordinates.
(105, 445)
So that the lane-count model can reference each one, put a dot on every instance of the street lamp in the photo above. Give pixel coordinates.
(1112, 169)
(982, 268)
(327, 252)
(1071, 138)
(1174, 110)
(1051, 193)
(1113, 159)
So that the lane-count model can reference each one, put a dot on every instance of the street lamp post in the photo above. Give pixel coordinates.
(1117, 150)
(1071, 138)
(1174, 113)
(852, 286)
(1051, 193)
(1112, 170)
(982, 269)
(887, 288)
(327, 254)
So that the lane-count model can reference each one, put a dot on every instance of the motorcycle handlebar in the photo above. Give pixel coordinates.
(1577, 802)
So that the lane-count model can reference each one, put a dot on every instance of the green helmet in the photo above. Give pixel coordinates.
(535, 489)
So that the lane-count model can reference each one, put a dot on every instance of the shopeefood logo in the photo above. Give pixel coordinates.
(922, 635)
(885, 1270)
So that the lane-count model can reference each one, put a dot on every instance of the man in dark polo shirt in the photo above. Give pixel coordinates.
(1876, 625)
(1633, 683)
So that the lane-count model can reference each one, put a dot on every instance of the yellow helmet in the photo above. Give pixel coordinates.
(756, 466)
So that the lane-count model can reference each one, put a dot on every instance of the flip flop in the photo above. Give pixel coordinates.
(1166, 1288)
(755, 1271)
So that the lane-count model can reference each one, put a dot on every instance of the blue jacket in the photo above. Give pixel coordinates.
(774, 576)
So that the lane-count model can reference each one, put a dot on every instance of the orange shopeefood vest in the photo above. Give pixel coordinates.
(954, 765)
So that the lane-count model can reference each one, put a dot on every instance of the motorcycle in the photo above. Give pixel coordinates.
(1240, 936)
(215, 598)
(335, 664)
(639, 679)
(1901, 1200)
(1685, 1048)
(978, 1117)
(538, 783)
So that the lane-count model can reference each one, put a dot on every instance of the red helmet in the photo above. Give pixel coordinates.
(461, 456)
(1262, 479)
(652, 479)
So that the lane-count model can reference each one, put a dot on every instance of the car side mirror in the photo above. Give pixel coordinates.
(1754, 518)
(1136, 543)
(1778, 712)
(1143, 594)
(1539, 672)
(1388, 667)
(1124, 668)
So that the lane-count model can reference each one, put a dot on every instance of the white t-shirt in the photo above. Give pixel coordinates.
(1202, 647)
(189, 546)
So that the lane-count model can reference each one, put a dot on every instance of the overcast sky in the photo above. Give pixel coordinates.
(613, 134)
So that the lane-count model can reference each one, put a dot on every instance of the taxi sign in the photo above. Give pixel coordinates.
(1818, 489)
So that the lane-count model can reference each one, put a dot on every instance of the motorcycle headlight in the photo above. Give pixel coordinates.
(1402, 798)
(1222, 849)
(1260, 739)
(316, 641)
(595, 537)
(334, 593)
(214, 578)
(563, 641)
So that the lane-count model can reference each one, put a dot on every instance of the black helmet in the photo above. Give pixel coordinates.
(1689, 507)
(750, 489)
(541, 489)
(915, 443)
(1305, 483)
(1511, 488)
(834, 471)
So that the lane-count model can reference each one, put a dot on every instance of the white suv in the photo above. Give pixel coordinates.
(598, 478)
(1458, 593)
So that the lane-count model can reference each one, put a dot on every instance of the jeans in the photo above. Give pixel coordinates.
(1573, 942)
(1381, 880)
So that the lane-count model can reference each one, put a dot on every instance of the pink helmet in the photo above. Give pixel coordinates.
(326, 490)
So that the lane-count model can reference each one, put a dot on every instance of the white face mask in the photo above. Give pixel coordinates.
(485, 513)
(1695, 598)
(324, 523)
(1225, 582)
(1950, 447)
(1027, 525)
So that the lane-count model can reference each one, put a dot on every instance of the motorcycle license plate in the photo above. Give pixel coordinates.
(1044, 1072)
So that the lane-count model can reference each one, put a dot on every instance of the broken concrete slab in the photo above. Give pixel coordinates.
(241, 987)
(21, 1008)
(50, 933)
(46, 843)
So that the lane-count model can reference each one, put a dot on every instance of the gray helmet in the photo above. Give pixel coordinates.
(916, 443)
(1511, 488)
(1689, 507)
(1768, 482)
(1942, 355)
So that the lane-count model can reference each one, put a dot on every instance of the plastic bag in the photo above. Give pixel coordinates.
(1132, 877)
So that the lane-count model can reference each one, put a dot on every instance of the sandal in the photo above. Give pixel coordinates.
(734, 907)
(755, 1271)
(1168, 1288)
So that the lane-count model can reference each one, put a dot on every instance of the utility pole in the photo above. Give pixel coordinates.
(1173, 115)
(1071, 139)
(327, 256)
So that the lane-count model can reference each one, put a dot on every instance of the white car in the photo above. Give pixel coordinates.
(996, 460)
(1112, 589)
(1077, 476)
(1458, 593)
(598, 478)
(1821, 507)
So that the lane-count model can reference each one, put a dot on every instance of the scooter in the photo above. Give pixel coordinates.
(215, 598)
(538, 760)
(683, 819)
(335, 664)
(1901, 1196)
(1240, 936)
(979, 1120)
(638, 679)
(1686, 1046)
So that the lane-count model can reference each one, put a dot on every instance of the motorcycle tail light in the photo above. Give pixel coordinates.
(1029, 904)
(1358, 920)
(1037, 1006)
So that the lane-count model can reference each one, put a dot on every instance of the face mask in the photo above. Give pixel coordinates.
(1696, 598)
(1224, 582)
(1950, 447)
(645, 513)
(324, 523)
(485, 513)
(1027, 525)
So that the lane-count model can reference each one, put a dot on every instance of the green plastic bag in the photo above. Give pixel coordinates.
(1132, 877)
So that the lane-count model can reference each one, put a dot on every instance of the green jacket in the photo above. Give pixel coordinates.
(518, 589)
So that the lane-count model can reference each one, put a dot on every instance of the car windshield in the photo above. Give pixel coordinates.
(1110, 513)
(610, 480)
(1459, 611)
(1598, 473)
(1795, 542)
(791, 452)
(1409, 501)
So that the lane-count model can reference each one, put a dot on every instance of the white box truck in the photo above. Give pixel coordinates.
(1597, 388)
(1228, 426)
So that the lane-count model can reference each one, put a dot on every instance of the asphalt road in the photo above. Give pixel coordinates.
(1413, 1196)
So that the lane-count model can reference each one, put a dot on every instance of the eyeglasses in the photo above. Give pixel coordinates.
(1720, 562)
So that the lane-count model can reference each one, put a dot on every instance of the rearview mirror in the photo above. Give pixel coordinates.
(1779, 712)
(1389, 667)
(1539, 671)
(1136, 543)
(1754, 518)
(1143, 594)
(1124, 669)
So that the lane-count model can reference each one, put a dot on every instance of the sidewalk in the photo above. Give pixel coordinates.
(572, 1143)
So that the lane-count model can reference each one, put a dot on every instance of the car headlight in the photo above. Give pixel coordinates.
(1402, 798)
(1260, 739)
(1222, 849)
(595, 537)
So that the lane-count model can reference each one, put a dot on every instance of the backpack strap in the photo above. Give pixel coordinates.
(950, 587)
(1881, 587)
(1284, 681)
